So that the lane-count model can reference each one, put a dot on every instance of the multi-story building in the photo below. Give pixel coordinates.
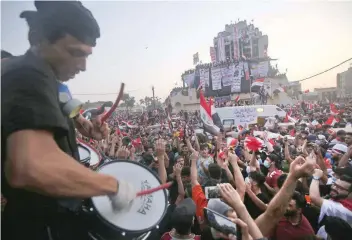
(240, 39)
(326, 94)
(344, 83)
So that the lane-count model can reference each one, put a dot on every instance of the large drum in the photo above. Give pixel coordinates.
(88, 155)
(146, 211)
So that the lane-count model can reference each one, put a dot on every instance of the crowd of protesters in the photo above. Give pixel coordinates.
(295, 186)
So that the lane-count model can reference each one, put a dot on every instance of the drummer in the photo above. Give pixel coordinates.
(41, 180)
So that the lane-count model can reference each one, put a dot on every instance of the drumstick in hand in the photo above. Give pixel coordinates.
(152, 190)
(114, 106)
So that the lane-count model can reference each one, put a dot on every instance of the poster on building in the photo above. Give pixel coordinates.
(235, 43)
(263, 69)
(189, 79)
(221, 49)
(254, 70)
(246, 70)
(236, 78)
(212, 54)
(204, 77)
(245, 115)
(216, 78)
(227, 76)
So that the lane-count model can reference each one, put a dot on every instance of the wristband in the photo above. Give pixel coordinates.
(316, 178)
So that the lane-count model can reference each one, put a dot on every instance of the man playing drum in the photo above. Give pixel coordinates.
(41, 176)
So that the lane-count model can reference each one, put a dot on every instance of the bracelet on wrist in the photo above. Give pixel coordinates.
(316, 178)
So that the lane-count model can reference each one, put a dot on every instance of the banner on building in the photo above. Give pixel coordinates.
(189, 79)
(246, 70)
(221, 49)
(263, 69)
(227, 76)
(235, 43)
(216, 78)
(254, 70)
(236, 79)
(204, 77)
(212, 54)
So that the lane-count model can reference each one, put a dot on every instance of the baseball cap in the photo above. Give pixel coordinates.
(339, 149)
(311, 138)
(184, 213)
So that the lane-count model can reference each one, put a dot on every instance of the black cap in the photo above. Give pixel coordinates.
(311, 138)
(184, 213)
(67, 17)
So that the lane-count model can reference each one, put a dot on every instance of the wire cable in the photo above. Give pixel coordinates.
(327, 70)
(324, 71)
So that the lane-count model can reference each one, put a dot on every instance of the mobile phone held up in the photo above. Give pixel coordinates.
(219, 222)
(212, 192)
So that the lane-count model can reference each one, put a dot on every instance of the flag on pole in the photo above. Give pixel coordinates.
(205, 115)
(237, 98)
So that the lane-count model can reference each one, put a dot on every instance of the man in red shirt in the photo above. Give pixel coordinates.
(294, 225)
(273, 164)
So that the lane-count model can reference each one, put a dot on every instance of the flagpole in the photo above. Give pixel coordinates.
(250, 89)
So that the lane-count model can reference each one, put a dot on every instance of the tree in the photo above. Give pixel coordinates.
(141, 101)
(128, 101)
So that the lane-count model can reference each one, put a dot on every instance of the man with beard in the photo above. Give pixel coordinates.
(337, 152)
(294, 225)
(340, 202)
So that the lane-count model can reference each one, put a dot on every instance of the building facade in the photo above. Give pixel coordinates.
(238, 40)
(344, 83)
(326, 94)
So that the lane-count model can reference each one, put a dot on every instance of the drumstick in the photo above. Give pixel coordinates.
(149, 191)
(113, 108)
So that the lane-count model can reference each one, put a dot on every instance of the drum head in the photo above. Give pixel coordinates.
(84, 154)
(94, 156)
(146, 211)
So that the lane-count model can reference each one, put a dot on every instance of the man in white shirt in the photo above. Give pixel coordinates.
(340, 203)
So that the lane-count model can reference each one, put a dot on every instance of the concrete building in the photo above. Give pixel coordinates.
(344, 83)
(240, 39)
(186, 102)
(324, 94)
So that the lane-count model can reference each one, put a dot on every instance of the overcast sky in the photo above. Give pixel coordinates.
(152, 43)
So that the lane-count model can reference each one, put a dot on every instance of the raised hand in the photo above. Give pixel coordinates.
(160, 147)
(177, 169)
(229, 194)
(122, 153)
(194, 156)
(301, 168)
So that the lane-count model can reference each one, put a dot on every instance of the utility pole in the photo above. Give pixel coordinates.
(153, 97)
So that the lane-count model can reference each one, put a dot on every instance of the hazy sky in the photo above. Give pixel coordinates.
(307, 37)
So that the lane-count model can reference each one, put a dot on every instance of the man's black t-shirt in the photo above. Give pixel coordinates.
(29, 100)
(252, 209)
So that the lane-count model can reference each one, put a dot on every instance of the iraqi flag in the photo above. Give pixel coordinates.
(331, 121)
(215, 116)
(333, 109)
(129, 124)
(257, 84)
(171, 127)
(205, 115)
(237, 99)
